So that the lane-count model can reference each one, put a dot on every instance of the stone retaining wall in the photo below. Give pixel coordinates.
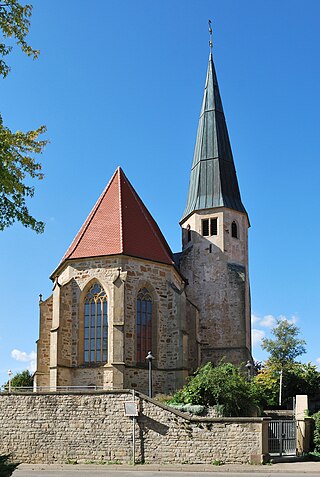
(57, 428)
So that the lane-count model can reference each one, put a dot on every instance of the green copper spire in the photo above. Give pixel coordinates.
(213, 181)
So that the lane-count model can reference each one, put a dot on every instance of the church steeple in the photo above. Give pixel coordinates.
(213, 181)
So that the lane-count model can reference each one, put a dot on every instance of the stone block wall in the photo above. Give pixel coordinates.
(57, 428)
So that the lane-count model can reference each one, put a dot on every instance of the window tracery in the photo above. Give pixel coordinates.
(144, 325)
(96, 325)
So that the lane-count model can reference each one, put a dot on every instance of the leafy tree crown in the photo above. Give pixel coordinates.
(286, 345)
(17, 149)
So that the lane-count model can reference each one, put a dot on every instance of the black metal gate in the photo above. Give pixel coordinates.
(282, 437)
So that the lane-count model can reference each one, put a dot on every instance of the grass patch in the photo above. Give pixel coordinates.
(217, 462)
(71, 461)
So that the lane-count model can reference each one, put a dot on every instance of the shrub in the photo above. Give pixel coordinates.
(6, 466)
(316, 433)
(223, 385)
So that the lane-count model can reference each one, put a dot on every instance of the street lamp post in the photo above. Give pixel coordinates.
(280, 388)
(249, 366)
(149, 358)
(10, 373)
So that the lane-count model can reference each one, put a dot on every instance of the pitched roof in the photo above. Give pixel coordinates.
(213, 180)
(119, 223)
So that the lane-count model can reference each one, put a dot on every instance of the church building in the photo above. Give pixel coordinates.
(119, 291)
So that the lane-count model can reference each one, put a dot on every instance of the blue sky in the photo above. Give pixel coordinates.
(121, 83)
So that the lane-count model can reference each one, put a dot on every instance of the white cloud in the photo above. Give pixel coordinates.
(254, 318)
(257, 336)
(318, 362)
(29, 358)
(291, 320)
(268, 321)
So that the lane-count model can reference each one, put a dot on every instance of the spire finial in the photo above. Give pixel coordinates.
(210, 33)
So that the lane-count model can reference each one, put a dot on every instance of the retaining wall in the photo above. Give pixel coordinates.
(57, 428)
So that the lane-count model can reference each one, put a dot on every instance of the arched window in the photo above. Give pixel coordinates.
(96, 325)
(234, 230)
(144, 325)
(188, 233)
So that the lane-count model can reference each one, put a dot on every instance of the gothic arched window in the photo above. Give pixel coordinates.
(234, 230)
(144, 325)
(96, 325)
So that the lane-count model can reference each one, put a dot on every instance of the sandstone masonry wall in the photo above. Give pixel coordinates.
(62, 326)
(216, 269)
(55, 428)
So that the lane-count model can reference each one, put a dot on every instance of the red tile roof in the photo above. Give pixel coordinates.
(120, 223)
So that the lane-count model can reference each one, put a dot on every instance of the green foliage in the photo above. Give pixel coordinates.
(286, 345)
(223, 385)
(14, 23)
(298, 378)
(16, 164)
(6, 466)
(316, 433)
(17, 149)
(21, 380)
(266, 385)
(302, 378)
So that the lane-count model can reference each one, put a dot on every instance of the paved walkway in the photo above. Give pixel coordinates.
(283, 467)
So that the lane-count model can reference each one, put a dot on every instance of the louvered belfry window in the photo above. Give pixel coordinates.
(144, 325)
(205, 227)
(214, 226)
(209, 227)
(96, 325)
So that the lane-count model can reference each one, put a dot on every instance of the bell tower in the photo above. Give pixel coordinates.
(215, 226)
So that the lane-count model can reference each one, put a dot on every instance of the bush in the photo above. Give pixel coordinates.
(6, 466)
(223, 385)
(316, 433)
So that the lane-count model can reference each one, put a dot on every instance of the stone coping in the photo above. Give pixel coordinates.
(183, 415)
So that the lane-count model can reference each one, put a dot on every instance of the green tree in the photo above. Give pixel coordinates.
(302, 378)
(298, 378)
(223, 385)
(286, 345)
(14, 23)
(266, 384)
(17, 149)
(21, 380)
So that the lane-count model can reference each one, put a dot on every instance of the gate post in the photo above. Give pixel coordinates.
(303, 426)
(265, 440)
